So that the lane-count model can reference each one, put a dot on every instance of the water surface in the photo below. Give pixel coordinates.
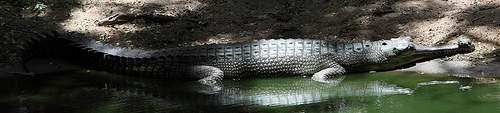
(94, 91)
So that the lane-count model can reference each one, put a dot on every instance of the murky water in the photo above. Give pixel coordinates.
(83, 91)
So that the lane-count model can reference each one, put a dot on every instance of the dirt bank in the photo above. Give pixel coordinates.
(429, 22)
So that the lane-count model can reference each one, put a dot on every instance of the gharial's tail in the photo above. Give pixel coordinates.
(93, 55)
(43, 46)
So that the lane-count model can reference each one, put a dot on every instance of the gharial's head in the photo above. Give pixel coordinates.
(401, 52)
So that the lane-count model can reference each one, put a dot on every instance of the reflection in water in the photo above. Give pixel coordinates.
(437, 82)
(306, 92)
(297, 91)
(104, 92)
(267, 92)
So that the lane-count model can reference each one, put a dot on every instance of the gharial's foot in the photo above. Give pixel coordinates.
(331, 80)
(207, 74)
(208, 88)
(329, 75)
(209, 80)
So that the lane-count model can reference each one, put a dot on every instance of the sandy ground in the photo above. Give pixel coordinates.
(428, 22)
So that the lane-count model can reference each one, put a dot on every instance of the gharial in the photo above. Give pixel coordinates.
(254, 59)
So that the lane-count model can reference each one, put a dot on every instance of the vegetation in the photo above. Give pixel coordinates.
(36, 6)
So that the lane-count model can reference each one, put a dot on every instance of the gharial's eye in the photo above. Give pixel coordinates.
(384, 43)
(395, 50)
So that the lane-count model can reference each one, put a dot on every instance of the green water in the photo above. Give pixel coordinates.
(90, 91)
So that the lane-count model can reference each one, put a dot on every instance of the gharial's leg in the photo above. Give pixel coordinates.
(206, 74)
(324, 74)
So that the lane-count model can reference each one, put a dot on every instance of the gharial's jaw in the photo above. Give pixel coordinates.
(415, 53)
(463, 45)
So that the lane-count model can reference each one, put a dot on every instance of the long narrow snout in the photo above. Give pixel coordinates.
(463, 45)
